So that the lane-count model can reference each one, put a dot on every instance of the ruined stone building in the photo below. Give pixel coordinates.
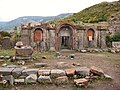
(45, 37)
(114, 24)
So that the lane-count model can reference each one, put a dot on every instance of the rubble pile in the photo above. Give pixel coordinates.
(80, 76)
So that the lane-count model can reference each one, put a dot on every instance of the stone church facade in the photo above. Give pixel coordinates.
(64, 35)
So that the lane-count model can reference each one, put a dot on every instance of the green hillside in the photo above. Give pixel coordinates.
(97, 13)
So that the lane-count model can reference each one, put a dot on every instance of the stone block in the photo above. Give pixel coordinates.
(62, 80)
(21, 62)
(62, 65)
(19, 81)
(6, 71)
(32, 78)
(11, 66)
(76, 64)
(96, 71)
(27, 72)
(107, 76)
(17, 72)
(58, 54)
(57, 73)
(9, 79)
(70, 72)
(40, 64)
(1, 57)
(82, 71)
(44, 79)
(81, 82)
(83, 51)
(44, 72)
(113, 51)
(7, 57)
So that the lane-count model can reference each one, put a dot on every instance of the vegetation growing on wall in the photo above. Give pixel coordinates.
(116, 37)
(112, 38)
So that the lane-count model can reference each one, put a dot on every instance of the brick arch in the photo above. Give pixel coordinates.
(38, 35)
(90, 32)
(58, 27)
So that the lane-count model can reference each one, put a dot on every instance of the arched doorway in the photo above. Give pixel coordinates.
(90, 37)
(65, 38)
(38, 35)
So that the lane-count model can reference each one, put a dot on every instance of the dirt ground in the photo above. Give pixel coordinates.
(108, 62)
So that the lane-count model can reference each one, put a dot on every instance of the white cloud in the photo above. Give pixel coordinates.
(11, 9)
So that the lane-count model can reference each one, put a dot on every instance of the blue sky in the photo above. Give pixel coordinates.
(11, 9)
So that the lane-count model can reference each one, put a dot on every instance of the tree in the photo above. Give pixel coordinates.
(16, 34)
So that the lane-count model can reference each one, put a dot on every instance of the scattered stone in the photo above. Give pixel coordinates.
(44, 79)
(107, 76)
(96, 71)
(7, 57)
(4, 82)
(9, 79)
(83, 51)
(44, 72)
(11, 66)
(27, 72)
(112, 51)
(21, 62)
(40, 64)
(82, 71)
(1, 57)
(58, 54)
(24, 67)
(72, 56)
(89, 50)
(81, 82)
(1, 76)
(17, 72)
(32, 78)
(19, 81)
(4, 65)
(94, 77)
(61, 80)
(105, 50)
(57, 73)
(44, 57)
(61, 65)
(34, 58)
(76, 64)
(70, 72)
(117, 50)
(97, 50)
(13, 59)
(6, 71)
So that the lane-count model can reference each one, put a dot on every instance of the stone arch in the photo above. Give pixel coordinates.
(90, 34)
(64, 35)
(38, 35)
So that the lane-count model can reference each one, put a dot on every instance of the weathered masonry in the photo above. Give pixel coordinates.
(43, 37)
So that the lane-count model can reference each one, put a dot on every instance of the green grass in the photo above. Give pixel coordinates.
(49, 55)
(7, 52)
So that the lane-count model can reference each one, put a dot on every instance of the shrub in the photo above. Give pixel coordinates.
(116, 37)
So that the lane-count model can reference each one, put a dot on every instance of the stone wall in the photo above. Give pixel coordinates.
(114, 24)
(116, 44)
(50, 37)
